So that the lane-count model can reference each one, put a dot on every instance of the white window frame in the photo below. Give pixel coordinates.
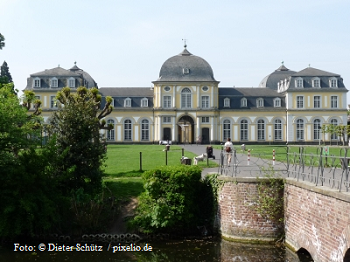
(317, 103)
(127, 102)
(334, 102)
(299, 82)
(127, 130)
(54, 82)
(186, 98)
(144, 130)
(36, 82)
(300, 129)
(334, 135)
(110, 133)
(277, 102)
(333, 82)
(300, 102)
(205, 102)
(166, 119)
(226, 129)
(244, 102)
(167, 101)
(227, 102)
(316, 82)
(261, 130)
(244, 129)
(53, 103)
(144, 102)
(260, 102)
(277, 125)
(71, 82)
(205, 120)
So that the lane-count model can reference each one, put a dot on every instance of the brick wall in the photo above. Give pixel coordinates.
(318, 220)
(237, 217)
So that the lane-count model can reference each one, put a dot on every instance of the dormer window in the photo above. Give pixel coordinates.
(127, 102)
(37, 82)
(227, 102)
(260, 102)
(71, 82)
(277, 102)
(299, 82)
(186, 71)
(316, 82)
(54, 82)
(333, 82)
(244, 102)
(144, 102)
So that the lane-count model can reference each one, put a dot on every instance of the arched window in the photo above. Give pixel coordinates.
(300, 129)
(71, 82)
(227, 129)
(186, 98)
(244, 102)
(334, 123)
(127, 130)
(144, 130)
(37, 82)
(54, 82)
(227, 102)
(261, 129)
(110, 133)
(278, 129)
(244, 130)
(317, 129)
(144, 102)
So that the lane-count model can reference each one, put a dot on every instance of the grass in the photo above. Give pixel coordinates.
(122, 167)
(311, 152)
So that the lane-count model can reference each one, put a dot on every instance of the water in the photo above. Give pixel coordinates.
(167, 251)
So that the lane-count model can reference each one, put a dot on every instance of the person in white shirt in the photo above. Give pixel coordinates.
(228, 150)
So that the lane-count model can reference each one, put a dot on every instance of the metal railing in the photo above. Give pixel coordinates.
(318, 168)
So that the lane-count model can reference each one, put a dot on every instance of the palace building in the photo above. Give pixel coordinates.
(186, 104)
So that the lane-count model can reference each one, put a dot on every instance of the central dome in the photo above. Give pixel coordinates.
(186, 67)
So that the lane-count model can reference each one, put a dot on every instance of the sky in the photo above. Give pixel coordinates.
(125, 43)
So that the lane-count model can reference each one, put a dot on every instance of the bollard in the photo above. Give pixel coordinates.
(273, 157)
(140, 161)
(248, 157)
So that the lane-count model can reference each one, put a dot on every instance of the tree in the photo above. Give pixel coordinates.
(4, 72)
(80, 149)
(2, 39)
(28, 199)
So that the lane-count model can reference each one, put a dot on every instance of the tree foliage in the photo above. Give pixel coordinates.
(2, 41)
(5, 73)
(80, 149)
(172, 201)
(27, 199)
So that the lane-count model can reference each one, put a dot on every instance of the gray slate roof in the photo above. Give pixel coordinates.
(271, 80)
(127, 91)
(173, 69)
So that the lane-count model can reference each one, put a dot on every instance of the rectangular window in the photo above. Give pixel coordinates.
(205, 119)
(334, 83)
(300, 102)
(167, 101)
(71, 82)
(299, 83)
(205, 101)
(317, 101)
(277, 102)
(227, 102)
(166, 119)
(144, 103)
(127, 102)
(37, 83)
(334, 102)
(316, 83)
(53, 103)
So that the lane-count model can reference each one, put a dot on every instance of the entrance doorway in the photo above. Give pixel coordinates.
(205, 135)
(167, 133)
(186, 130)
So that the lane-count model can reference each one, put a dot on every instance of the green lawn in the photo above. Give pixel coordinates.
(122, 170)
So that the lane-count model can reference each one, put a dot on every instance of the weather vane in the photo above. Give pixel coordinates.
(184, 39)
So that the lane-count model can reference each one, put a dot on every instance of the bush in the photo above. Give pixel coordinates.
(171, 201)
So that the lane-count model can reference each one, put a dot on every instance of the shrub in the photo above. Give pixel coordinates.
(171, 200)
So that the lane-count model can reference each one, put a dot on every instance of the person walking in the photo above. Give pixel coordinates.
(228, 150)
